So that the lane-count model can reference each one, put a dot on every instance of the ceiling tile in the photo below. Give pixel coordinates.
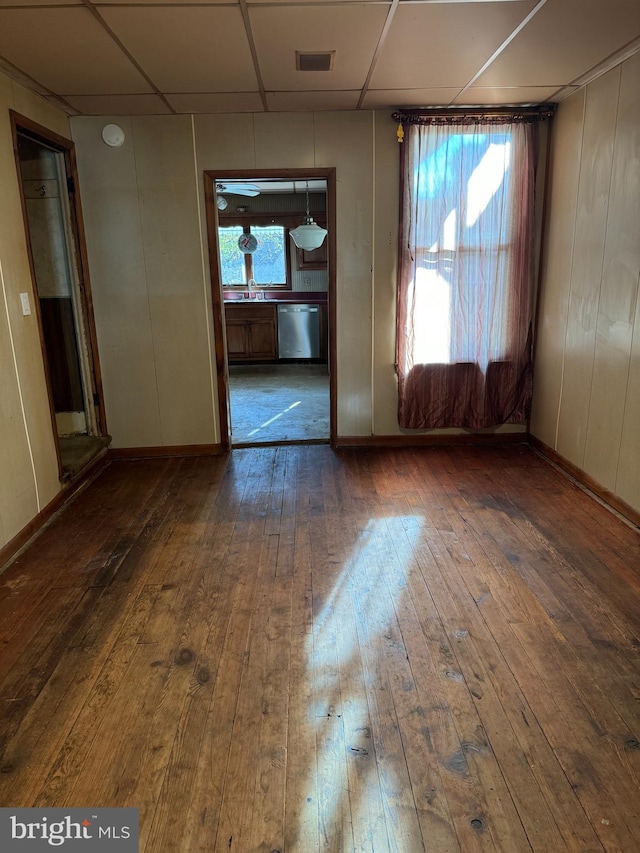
(207, 102)
(99, 3)
(563, 41)
(325, 3)
(66, 50)
(352, 31)
(190, 49)
(24, 3)
(437, 45)
(313, 101)
(396, 98)
(507, 95)
(118, 105)
(197, 53)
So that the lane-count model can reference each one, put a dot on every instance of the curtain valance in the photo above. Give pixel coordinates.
(451, 115)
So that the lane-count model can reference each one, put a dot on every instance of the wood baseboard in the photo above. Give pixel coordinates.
(585, 480)
(427, 440)
(167, 451)
(64, 496)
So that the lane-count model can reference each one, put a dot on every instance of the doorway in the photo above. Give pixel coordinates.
(46, 170)
(273, 305)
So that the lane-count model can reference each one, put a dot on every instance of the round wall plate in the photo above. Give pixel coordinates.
(113, 135)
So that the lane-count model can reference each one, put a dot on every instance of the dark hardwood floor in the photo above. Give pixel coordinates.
(297, 649)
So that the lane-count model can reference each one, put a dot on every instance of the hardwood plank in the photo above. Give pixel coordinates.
(304, 650)
(562, 800)
(301, 824)
(227, 644)
(362, 780)
(326, 705)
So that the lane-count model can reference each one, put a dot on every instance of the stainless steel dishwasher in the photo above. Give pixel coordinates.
(298, 331)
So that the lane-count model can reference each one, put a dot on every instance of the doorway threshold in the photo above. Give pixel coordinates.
(242, 445)
(78, 451)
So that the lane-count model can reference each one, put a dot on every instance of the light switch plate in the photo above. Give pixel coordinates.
(24, 301)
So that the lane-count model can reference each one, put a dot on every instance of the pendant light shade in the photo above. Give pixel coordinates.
(309, 235)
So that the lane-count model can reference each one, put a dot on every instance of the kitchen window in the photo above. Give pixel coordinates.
(267, 266)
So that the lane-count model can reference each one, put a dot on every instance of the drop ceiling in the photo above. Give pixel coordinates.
(134, 57)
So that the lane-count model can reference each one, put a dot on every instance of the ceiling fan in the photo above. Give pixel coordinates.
(234, 189)
(238, 189)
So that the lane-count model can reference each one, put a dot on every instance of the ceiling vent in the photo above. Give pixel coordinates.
(319, 60)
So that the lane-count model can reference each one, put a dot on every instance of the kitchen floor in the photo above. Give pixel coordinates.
(272, 403)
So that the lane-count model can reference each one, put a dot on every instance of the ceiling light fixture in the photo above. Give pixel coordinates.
(308, 236)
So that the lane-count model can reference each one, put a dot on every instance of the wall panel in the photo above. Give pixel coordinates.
(591, 385)
(284, 138)
(628, 477)
(120, 287)
(345, 140)
(618, 292)
(557, 258)
(586, 273)
(177, 305)
(386, 207)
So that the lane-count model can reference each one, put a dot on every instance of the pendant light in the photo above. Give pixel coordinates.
(309, 235)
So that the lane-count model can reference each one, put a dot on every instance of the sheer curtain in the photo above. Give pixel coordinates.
(464, 319)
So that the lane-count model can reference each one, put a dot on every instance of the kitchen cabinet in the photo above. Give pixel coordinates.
(312, 259)
(251, 332)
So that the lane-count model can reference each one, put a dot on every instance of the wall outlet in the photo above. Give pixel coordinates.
(24, 301)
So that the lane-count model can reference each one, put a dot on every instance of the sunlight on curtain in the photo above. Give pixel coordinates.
(465, 276)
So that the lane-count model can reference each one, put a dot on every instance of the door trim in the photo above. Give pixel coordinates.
(21, 125)
(222, 365)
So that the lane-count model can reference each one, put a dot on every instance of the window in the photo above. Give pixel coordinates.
(464, 321)
(267, 266)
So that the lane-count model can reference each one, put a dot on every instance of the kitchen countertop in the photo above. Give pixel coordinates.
(297, 297)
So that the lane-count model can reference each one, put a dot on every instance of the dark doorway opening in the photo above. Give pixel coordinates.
(267, 392)
(61, 295)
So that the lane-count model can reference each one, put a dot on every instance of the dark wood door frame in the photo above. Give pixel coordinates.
(21, 125)
(222, 367)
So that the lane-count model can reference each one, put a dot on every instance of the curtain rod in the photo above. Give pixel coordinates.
(462, 115)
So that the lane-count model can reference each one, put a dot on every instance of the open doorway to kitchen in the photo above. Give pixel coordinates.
(60, 298)
(273, 305)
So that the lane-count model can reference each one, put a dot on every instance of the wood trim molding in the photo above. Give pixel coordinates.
(64, 496)
(431, 440)
(166, 451)
(582, 478)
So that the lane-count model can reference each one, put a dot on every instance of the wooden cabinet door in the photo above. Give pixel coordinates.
(251, 332)
(237, 339)
(262, 339)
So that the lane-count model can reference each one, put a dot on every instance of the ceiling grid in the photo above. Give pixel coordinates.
(144, 57)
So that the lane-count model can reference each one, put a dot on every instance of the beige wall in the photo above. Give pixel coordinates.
(28, 463)
(141, 215)
(144, 217)
(146, 232)
(587, 380)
